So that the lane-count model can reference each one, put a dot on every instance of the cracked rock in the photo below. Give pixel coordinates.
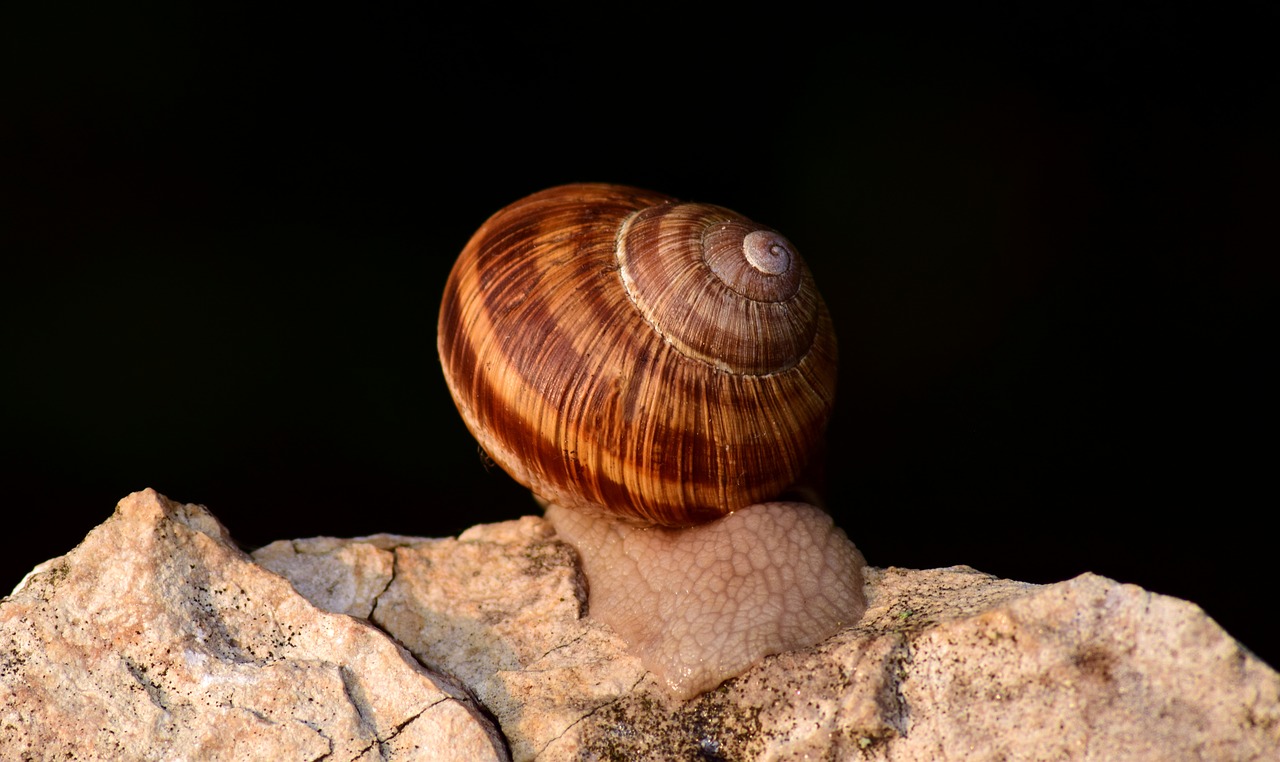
(156, 638)
(947, 664)
(500, 609)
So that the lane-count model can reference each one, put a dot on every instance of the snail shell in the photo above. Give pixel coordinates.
(617, 350)
(634, 360)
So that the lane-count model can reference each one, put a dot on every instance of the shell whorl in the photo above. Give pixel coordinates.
(616, 350)
(720, 288)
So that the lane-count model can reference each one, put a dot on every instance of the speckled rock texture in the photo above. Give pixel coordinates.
(157, 639)
(946, 664)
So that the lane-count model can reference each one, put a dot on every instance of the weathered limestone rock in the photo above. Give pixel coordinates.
(499, 608)
(157, 639)
(947, 664)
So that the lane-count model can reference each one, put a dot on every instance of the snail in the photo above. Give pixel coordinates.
(658, 374)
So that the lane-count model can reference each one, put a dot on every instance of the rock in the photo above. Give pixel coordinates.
(946, 664)
(177, 644)
(156, 638)
(500, 608)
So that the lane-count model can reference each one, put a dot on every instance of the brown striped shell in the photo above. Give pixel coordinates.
(616, 350)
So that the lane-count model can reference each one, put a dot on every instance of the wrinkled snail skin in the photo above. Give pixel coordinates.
(702, 604)
(641, 365)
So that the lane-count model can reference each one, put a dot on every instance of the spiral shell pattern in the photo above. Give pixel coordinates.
(618, 351)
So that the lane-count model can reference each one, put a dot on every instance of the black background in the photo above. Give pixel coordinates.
(1047, 237)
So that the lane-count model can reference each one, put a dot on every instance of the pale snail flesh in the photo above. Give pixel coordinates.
(643, 365)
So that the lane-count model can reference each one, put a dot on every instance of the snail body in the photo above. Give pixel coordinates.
(702, 604)
(648, 367)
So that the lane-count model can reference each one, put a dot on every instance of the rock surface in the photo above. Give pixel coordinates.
(946, 664)
(156, 638)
